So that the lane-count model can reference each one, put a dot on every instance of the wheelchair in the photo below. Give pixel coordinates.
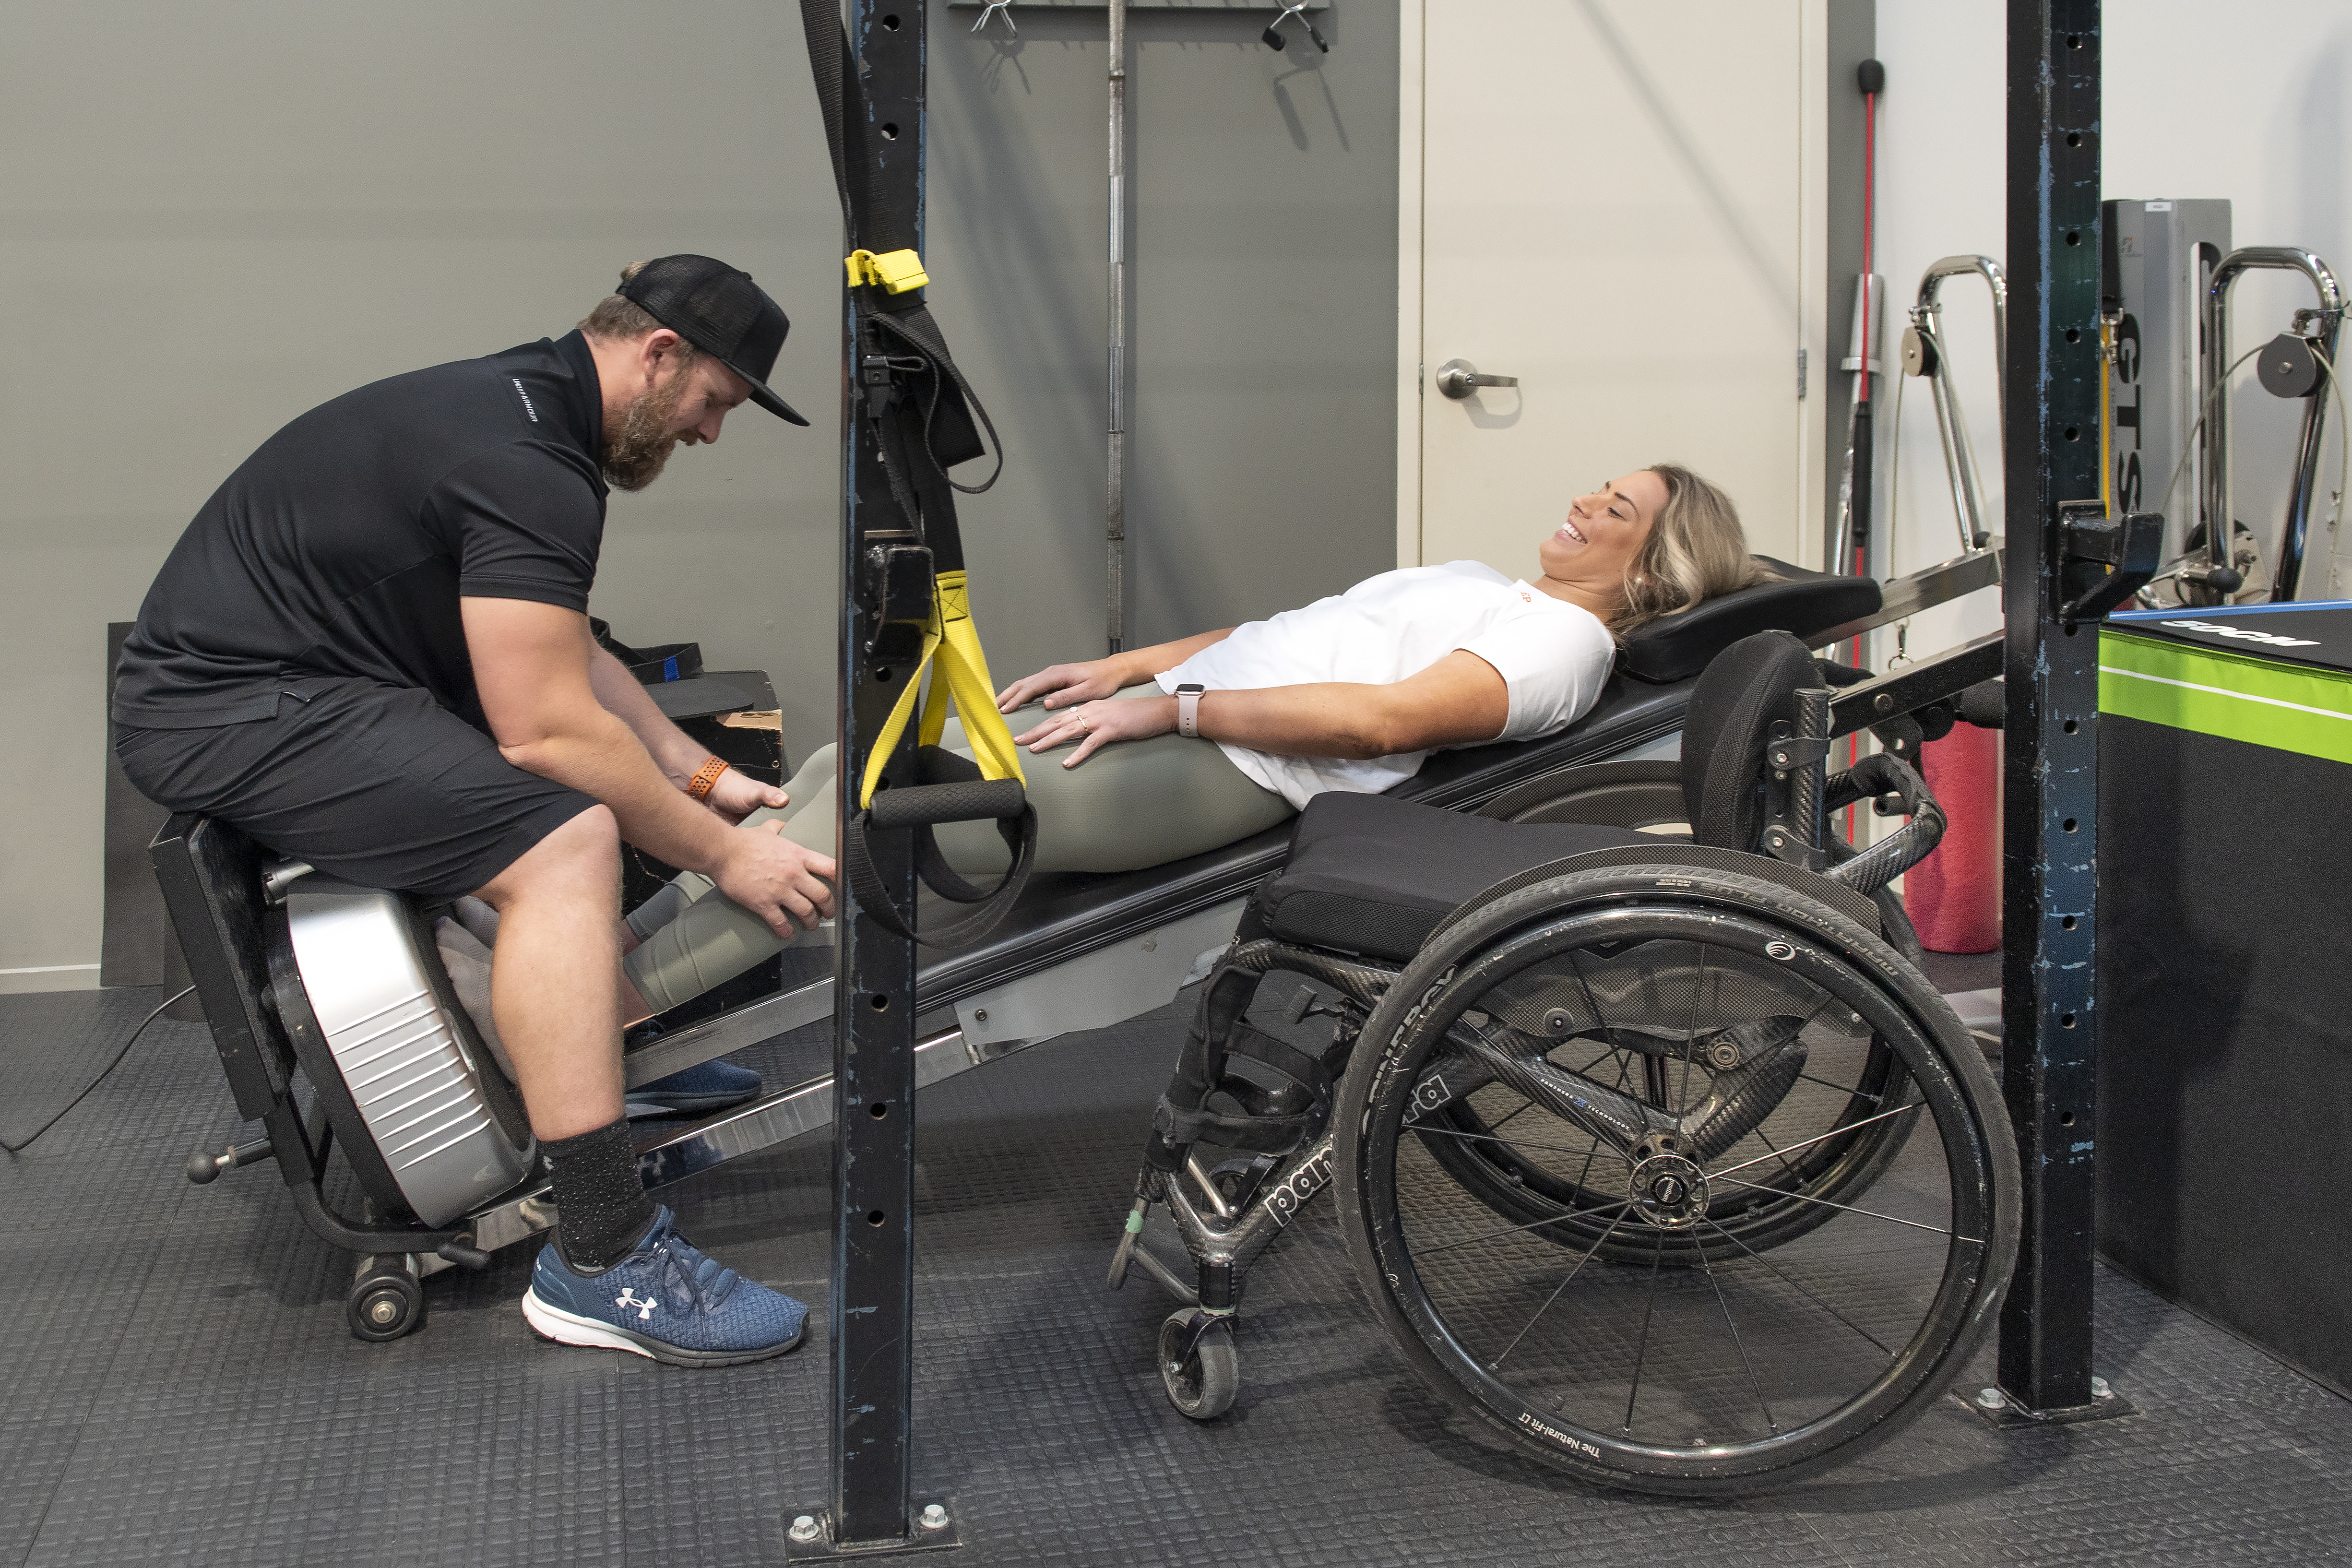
(1655, 1153)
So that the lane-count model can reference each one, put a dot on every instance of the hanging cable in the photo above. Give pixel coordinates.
(101, 1076)
(2188, 450)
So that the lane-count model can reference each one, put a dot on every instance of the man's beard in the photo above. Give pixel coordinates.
(634, 454)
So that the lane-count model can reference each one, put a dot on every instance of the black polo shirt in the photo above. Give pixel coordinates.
(341, 548)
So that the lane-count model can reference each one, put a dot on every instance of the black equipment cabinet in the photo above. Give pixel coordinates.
(2225, 1033)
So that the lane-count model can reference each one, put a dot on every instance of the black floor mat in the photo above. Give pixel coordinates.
(1964, 971)
(54, 1045)
(181, 1388)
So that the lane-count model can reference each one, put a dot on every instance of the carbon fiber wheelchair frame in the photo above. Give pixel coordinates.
(1662, 1160)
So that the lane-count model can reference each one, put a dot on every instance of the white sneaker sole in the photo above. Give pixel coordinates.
(571, 1328)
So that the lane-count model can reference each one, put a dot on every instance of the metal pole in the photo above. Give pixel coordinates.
(2049, 832)
(1115, 503)
(874, 985)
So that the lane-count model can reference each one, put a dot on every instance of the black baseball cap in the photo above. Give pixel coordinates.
(720, 311)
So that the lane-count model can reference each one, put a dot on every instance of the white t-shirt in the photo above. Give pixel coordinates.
(1553, 657)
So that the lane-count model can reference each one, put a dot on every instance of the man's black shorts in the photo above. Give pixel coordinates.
(375, 784)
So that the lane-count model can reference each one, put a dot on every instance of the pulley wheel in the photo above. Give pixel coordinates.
(2288, 366)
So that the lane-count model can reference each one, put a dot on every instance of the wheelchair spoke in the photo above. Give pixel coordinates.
(1525, 1105)
(1832, 1132)
(1649, 1309)
(1799, 1286)
(1590, 1154)
(1851, 1092)
(1776, 1154)
(1624, 1063)
(1516, 1229)
(1738, 1343)
(1849, 1209)
(1496, 1365)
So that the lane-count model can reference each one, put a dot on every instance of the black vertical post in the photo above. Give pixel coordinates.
(874, 971)
(2052, 439)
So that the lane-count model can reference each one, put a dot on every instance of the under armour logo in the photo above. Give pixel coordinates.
(629, 1298)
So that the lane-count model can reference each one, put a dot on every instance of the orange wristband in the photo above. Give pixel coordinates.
(705, 777)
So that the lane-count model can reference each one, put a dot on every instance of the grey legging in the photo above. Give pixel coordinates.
(1131, 805)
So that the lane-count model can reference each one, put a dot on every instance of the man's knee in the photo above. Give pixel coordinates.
(581, 860)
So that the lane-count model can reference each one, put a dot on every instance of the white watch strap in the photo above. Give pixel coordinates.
(1188, 711)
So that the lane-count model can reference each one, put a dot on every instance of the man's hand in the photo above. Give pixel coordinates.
(1061, 685)
(737, 795)
(784, 883)
(1094, 725)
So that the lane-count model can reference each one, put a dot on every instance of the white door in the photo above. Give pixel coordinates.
(1613, 210)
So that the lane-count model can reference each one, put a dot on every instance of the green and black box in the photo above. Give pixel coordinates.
(2225, 975)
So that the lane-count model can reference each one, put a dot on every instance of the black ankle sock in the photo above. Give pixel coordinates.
(602, 1207)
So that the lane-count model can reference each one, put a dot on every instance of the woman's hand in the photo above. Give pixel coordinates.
(1095, 725)
(735, 794)
(1061, 685)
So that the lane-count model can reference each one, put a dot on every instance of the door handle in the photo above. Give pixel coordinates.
(1458, 378)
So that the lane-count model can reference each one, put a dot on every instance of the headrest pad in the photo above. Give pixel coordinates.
(1678, 646)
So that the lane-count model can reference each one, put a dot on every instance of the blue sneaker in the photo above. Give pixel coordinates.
(665, 1301)
(694, 1090)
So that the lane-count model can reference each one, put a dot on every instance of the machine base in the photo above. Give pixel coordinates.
(821, 1547)
(2008, 1412)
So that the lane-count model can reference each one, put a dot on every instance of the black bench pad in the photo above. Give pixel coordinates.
(1371, 875)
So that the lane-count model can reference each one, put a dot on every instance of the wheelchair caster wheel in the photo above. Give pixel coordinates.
(385, 1303)
(1198, 1362)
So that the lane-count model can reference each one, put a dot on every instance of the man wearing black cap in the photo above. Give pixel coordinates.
(371, 651)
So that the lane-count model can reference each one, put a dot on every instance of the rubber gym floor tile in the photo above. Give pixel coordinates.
(183, 1388)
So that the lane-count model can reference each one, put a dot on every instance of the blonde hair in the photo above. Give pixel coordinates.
(1696, 550)
(618, 318)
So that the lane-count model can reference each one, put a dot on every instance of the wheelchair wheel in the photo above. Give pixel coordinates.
(1199, 1363)
(1702, 1287)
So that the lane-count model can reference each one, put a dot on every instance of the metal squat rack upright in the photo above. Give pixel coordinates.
(2068, 563)
(869, 1509)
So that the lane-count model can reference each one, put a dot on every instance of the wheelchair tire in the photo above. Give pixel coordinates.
(1199, 1363)
(1776, 1347)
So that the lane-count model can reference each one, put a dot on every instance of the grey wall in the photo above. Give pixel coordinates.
(1261, 284)
(212, 218)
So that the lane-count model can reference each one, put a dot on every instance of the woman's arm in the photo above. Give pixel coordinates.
(1063, 684)
(1459, 699)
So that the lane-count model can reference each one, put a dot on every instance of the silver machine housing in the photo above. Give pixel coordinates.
(2165, 253)
(423, 1113)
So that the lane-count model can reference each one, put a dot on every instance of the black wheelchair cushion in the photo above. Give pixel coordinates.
(1371, 875)
(1751, 685)
(1678, 646)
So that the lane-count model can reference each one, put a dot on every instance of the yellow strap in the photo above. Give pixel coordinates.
(961, 676)
(896, 271)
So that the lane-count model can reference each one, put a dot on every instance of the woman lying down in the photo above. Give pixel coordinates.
(1348, 693)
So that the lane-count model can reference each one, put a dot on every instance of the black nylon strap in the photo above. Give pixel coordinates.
(956, 777)
(1280, 1059)
(1259, 1134)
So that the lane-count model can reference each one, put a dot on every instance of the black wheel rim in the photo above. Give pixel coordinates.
(1717, 1350)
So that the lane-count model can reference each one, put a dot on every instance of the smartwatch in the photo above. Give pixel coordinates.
(1188, 711)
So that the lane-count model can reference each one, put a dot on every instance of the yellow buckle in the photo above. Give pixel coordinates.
(895, 272)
